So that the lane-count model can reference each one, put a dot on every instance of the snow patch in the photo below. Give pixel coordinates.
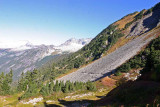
(71, 48)
(80, 95)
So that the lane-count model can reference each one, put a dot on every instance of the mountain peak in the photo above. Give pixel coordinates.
(77, 41)
(73, 44)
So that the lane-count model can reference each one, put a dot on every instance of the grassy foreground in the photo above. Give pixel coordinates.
(56, 99)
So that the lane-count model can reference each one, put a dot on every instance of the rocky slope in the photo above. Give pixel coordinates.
(109, 63)
(143, 27)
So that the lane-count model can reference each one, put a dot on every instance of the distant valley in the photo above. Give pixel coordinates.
(27, 57)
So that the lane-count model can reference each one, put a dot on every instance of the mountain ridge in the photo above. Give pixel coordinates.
(27, 56)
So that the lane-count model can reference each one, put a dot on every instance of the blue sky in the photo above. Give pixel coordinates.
(54, 21)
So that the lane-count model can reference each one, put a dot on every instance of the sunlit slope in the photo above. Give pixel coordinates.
(127, 39)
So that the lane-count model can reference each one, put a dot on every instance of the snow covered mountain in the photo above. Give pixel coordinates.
(24, 56)
(73, 44)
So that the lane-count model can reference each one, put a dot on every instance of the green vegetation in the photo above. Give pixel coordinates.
(30, 83)
(51, 88)
(128, 24)
(148, 11)
(139, 15)
(5, 83)
(118, 73)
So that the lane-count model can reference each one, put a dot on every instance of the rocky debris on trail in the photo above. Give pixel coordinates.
(132, 76)
(32, 101)
(79, 96)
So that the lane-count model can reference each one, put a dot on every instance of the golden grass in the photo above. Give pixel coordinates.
(125, 20)
(11, 101)
(154, 32)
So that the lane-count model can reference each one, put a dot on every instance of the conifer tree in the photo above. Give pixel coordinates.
(5, 83)
(57, 87)
(22, 83)
(91, 86)
(66, 88)
(51, 87)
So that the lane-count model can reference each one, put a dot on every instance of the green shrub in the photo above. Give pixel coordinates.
(118, 73)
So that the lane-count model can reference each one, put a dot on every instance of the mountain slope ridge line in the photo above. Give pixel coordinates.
(107, 64)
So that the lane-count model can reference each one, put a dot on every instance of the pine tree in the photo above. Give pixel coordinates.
(5, 87)
(51, 87)
(71, 87)
(57, 87)
(66, 88)
(6, 82)
(22, 85)
(52, 73)
(91, 86)
(1, 81)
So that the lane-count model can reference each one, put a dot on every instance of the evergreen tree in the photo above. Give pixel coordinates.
(45, 90)
(71, 87)
(57, 87)
(52, 73)
(5, 87)
(51, 87)
(66, 88)
(5, 84)
(91, 86)
(22, 84)
(1, 81)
